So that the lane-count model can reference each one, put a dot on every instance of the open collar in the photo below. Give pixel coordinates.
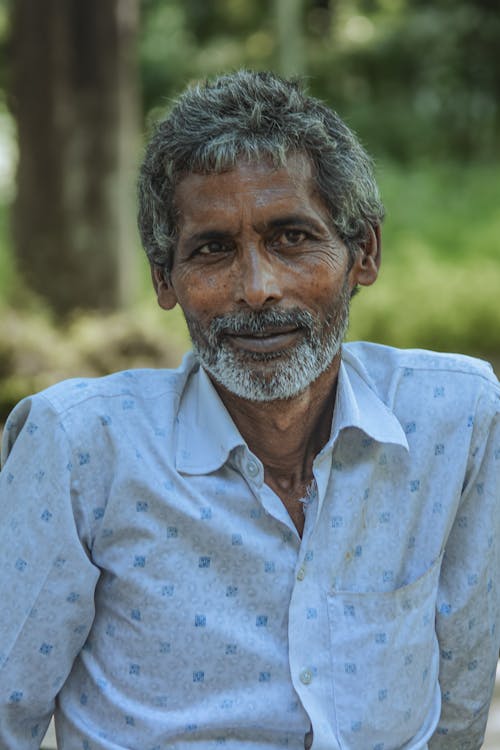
(206, 433)
(358, 405)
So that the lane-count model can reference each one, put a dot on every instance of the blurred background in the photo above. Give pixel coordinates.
(82, 81)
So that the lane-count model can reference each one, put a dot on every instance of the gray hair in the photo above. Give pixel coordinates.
(254, 117)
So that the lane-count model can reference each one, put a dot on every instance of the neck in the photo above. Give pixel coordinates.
(286, 435)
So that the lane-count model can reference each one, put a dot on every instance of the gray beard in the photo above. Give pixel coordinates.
(256, 376)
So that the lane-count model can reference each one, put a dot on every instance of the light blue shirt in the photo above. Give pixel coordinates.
(155, 592)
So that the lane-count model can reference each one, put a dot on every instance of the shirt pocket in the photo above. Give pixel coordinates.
(385, 663)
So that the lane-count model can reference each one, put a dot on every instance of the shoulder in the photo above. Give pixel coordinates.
(142, 385)
(76, 406)
(385, 359)
(383, 363)
(417, 375)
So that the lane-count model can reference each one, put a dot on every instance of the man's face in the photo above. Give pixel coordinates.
(261, 276)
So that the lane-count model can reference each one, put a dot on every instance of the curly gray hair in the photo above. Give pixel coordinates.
(255, 117)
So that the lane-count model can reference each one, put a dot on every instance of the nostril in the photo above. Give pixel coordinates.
(259, 283)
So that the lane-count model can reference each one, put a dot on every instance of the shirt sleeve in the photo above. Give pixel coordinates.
(467, 620)
(47, 581)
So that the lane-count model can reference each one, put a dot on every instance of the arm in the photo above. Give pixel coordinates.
(46, 578)
(467, 620)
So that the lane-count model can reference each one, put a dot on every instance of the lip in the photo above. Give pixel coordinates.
(270, 340)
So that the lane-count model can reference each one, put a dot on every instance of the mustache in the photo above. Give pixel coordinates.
(250, 323)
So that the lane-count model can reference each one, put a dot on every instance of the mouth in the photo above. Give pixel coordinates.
(265, 341)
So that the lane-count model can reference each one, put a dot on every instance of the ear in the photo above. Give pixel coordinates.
(366, 264)
(165, 294)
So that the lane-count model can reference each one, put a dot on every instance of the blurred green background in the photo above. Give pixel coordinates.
(82, 81)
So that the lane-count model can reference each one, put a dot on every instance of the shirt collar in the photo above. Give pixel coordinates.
(358, 405)
(206, 434)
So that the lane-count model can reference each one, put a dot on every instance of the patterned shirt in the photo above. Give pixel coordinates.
(156, 594)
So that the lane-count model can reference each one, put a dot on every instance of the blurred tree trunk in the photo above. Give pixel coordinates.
(290, 22)
(75, 98)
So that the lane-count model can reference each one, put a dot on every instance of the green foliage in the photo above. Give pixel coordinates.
(440, 277)
(181, 41)
(452, 210)
(432, 304)
(413, 78)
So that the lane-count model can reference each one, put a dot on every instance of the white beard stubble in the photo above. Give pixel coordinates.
(269, 377)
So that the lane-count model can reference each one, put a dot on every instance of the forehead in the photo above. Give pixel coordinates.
(249, 186)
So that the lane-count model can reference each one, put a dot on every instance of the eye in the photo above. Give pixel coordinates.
(289, 238)
(212, 248)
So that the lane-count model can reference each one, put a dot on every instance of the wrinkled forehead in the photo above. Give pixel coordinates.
(295, 168)
(250, 197)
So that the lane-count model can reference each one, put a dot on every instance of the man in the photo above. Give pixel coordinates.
(284, 543)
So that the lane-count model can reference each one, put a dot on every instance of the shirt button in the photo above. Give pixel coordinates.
(301, 574)
(252, 468)
(306, 676)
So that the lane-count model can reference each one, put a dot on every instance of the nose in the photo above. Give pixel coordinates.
(259, 279)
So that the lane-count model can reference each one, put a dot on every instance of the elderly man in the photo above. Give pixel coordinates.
(286, 542)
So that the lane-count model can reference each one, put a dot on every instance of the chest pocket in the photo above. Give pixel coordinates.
(385, 664)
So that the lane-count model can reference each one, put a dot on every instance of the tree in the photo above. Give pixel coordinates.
(74, 94)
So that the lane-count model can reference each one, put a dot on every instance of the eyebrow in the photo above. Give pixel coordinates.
(295, 220)
(210, 235)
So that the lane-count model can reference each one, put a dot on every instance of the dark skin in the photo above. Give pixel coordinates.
(257, 237)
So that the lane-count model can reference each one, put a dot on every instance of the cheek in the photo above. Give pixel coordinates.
(202, 296)
(324, 280)
(325, 297)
